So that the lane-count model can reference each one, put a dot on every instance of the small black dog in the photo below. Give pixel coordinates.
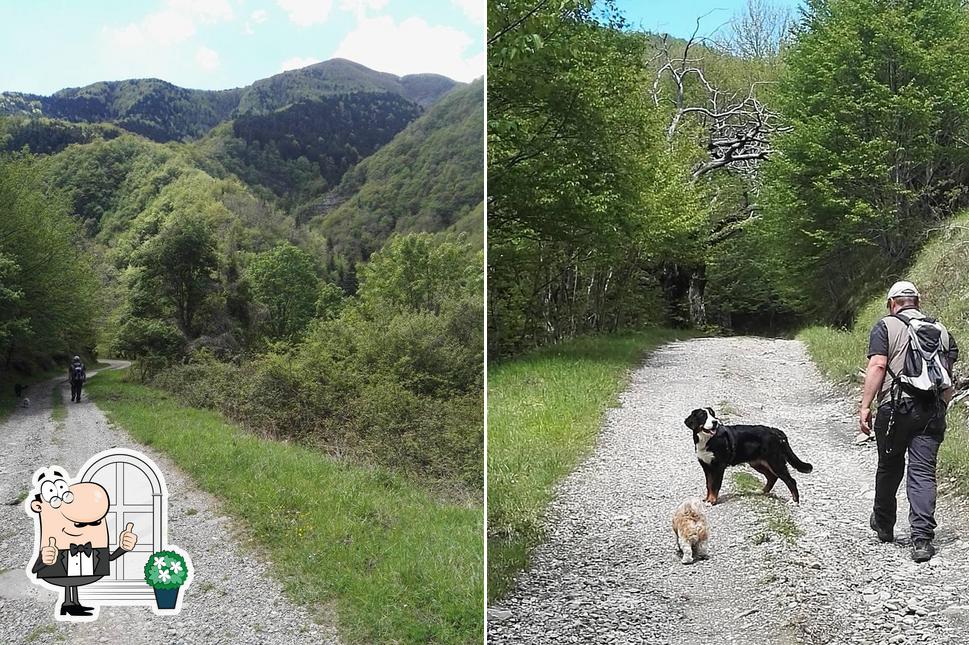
(766, 449)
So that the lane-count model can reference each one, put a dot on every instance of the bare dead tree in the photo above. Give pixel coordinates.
(738, 126)
(738, 123)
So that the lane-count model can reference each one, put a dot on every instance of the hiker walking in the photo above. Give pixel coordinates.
(909, 374)
(76, 375)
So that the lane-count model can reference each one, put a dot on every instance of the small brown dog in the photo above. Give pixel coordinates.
(691, 530)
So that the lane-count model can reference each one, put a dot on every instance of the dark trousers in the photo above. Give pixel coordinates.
(70, 585)
(916, 430)
(76, 390)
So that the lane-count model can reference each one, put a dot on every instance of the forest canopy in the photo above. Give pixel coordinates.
(775, 173)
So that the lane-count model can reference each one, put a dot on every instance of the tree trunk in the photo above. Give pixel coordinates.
(698, 310)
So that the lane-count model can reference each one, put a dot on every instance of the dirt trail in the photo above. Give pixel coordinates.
(232, 596)
(778, 573)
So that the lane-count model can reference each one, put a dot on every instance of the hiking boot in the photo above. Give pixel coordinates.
(883, 534)
(922, 550)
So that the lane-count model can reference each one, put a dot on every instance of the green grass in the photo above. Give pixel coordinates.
(19, 499)
(745, 483)
(773, 513)
(41, 633)
(397, 564)
(58, 411)
(839, 354)
(544, 413)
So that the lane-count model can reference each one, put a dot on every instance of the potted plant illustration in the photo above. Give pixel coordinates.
(166, 572)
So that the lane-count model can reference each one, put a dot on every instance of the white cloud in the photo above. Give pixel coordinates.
(306, 12)
(257, 17)
(473, 9)
(296, 62)
(410, 47)
(175, 22)
(160, 28)
(359, 8)
(204, 10)
(207, 59)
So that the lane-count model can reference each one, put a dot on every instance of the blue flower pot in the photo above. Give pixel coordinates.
(166, 598)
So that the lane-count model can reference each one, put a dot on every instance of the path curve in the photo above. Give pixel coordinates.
(232, 598)
(608, 573)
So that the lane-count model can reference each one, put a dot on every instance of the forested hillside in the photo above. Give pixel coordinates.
(338, 76)
(300, 151)
(778, 173)
(184, 243)
(163, 112)
(149, 107)
(428, 178)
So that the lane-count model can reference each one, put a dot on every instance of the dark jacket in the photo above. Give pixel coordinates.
(100, 559)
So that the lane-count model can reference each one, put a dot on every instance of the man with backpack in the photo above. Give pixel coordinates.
(76, 375)
(909, 373)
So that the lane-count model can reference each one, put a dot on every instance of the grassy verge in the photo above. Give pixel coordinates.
(774, 514)
(544, 412)
(841, 354)
(397, 564)
(58, 411)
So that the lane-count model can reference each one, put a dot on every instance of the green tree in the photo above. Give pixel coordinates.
(330, 301)
(180, 264)
(878, 100)
(12, 322)
(421, 272)
(151, 342)
(587, 198)
(47, 282)
(284, 283)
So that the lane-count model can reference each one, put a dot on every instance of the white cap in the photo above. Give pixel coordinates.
(903, 289)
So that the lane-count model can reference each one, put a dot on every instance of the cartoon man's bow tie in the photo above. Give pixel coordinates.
(81, 548)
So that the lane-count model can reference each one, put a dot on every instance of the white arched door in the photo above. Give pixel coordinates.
(137, 495)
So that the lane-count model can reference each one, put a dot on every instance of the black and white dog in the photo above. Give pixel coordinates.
(766, 449)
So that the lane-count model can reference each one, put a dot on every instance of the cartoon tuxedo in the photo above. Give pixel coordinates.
(74, 537)
(79, 560)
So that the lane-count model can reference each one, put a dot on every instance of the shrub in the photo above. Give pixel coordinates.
(391, 379)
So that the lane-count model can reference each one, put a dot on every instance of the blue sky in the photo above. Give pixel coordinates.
(46, 45)
(678, 18)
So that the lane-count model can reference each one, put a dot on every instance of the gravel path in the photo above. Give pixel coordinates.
(232, 596)
(608, 572)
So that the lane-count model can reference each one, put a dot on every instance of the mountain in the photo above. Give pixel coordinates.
(150, 107)
(164, 112)
(429, 178)
(304, 149)
(334, 171)
(338, 76)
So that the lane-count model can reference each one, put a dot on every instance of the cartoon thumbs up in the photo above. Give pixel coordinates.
(127, 540)
(48, 554)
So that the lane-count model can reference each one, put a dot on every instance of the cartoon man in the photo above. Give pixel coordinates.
(74, 536)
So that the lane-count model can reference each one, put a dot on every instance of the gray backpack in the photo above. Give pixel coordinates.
(925, 371)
